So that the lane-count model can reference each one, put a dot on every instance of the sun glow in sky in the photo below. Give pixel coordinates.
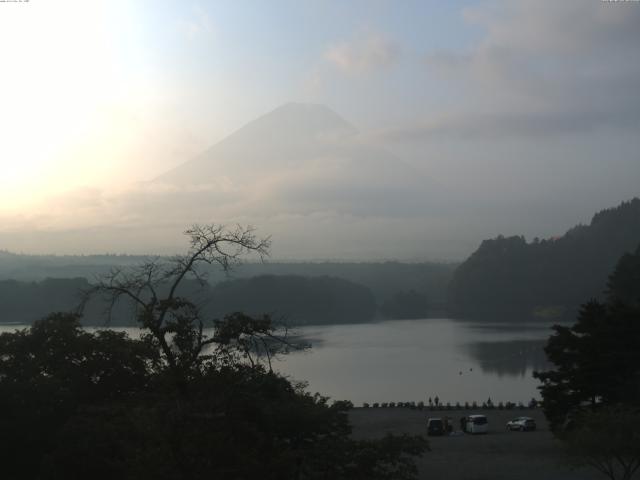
(525, 115)
(70, 104)
(107, 92)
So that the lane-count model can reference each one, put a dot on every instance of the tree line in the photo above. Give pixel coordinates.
(295, 299)
(384, 279)
(592, 395)
(552, 277)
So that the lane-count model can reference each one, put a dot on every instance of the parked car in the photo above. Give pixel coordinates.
(476, 424)
(522, 424)
(435, 426)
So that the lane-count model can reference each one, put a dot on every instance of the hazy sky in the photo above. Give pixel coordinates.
(526, 113)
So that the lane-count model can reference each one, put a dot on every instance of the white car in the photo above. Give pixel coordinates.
(476, 424)
(522, 423)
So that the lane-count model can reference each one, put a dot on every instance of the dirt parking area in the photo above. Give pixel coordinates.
(498, 455)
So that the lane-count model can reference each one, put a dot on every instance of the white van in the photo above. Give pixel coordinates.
(476, 424)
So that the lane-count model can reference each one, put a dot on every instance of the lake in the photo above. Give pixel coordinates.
(412, 360)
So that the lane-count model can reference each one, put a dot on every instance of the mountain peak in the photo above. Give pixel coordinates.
(309, 120)
(305, 109)
(288, 134)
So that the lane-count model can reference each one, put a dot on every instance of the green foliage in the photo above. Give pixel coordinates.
(591, 397)
(50, 372)
(389, 458)
(508, 275)
(624, 283)
(597, 361)
(608, 440)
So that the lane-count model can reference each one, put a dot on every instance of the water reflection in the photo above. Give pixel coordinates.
(520, 327)
(512, 358)
(407, 360)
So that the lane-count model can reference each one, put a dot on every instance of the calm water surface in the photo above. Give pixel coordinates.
(411, 360)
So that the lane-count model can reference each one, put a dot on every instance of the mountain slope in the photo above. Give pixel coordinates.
(282, 138)
(300, 159)
(511, 276)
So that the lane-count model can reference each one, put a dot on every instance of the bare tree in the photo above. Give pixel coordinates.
(176, 325)
(242, 337)
(153, 290)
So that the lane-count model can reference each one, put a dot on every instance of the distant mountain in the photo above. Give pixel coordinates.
(298, 159)
(284, 138)
(301, 174)
(552, 277)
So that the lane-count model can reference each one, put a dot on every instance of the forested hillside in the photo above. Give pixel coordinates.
(551, 277)
(392, 284)
(295, 299)
(25, 302)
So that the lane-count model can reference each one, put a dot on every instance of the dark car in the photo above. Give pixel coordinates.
(435, 426)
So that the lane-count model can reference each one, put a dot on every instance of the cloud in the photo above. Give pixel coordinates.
(363, 54)
(543, 68)
(523, 124)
